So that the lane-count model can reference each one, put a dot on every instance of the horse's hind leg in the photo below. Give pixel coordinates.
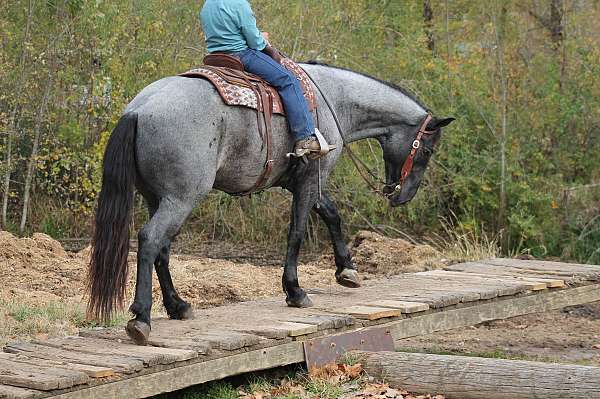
(177, 308)
(345, 273)
(161, 228)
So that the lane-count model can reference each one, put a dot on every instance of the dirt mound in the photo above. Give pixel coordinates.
(377, 254)
(38, 264)
(16, 251)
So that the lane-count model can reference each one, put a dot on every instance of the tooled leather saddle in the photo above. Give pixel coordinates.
(240, 88)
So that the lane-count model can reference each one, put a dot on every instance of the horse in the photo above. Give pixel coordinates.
(177, 141)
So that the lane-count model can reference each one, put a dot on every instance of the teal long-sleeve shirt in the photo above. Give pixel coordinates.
(230, 26)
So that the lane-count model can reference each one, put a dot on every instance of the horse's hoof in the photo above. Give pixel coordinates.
(138, 331)
(184, 311)
(348, 278)
(303, 302)
(187, 314)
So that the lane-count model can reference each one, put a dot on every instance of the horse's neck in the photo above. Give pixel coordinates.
(366, 107)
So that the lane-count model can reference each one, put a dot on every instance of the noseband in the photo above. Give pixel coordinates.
(408, 163)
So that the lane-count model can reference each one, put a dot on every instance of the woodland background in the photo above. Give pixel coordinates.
(518, 171)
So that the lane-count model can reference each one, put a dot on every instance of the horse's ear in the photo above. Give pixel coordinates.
(436, 123)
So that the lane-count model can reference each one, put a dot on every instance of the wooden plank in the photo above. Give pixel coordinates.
(369, 312)
(549, 283)
(464, 291)
(9, 392)
(198, 373)
(500, 286)
(38, 377)
(542, 265)
(476, 378)
(174, 341)
(91, 371)
(228, 340)
(496, 286)
(280, 330)
(150, 355)
(488, 269)
(403, 306)
(494, 310)
(325, 321)
(118, 363)
(498, 275)
(529, 285)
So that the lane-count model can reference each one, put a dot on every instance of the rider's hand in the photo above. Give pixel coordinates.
(273, 53)
(265, 36)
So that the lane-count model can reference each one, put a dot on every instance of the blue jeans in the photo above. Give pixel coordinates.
(289, 88)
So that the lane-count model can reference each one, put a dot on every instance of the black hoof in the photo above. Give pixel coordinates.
(187, 314)
(182, 311)
(303, 301)
(348, 278)
(138, 331)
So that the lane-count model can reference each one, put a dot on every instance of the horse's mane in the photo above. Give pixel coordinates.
(403, 90)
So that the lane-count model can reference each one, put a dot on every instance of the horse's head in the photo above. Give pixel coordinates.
(406, 153)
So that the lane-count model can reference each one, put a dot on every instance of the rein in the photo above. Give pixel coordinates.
(406, 167)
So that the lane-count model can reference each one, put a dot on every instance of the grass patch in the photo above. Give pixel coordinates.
(214, 390)
(349, 359)
(24, 320)
(323, 389)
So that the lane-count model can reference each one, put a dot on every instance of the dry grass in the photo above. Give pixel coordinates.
(26, 318)
(464, 245)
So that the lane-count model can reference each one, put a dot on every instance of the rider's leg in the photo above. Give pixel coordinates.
(296, 108)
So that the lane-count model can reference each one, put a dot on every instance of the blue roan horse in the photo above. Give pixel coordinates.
(177, 141)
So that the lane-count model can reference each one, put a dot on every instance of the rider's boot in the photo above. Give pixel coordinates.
(312, 147)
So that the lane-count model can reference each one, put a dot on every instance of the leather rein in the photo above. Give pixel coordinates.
(360, 165)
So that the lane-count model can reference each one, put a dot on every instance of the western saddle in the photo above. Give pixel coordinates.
(226, 73)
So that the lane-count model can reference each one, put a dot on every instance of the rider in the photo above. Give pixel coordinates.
(230, 27)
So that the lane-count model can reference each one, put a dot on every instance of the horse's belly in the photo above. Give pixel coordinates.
(243, 155)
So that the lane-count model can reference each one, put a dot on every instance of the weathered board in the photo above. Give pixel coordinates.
(249, 336)
(475, 378)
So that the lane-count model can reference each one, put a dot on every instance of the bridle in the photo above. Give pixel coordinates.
(360, 165)
(409, 161)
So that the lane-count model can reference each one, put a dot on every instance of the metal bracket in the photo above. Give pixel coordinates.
(321, 351)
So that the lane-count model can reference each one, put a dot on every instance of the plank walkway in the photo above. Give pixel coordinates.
(250, 336)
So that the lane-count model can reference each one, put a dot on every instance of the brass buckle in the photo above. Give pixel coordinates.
(416, 144)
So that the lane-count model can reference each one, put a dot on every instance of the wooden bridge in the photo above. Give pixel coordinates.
(257, 335)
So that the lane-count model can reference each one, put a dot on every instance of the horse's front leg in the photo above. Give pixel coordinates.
(345, 274)
(304, 200)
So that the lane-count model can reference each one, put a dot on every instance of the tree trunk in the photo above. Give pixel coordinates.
(500, 28)
(464, 377)
(13, 125)
(428, 23)
(34, 152)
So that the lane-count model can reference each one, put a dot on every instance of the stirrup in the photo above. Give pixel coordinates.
(324, 148)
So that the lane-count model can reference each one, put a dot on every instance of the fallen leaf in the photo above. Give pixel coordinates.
(352, 371)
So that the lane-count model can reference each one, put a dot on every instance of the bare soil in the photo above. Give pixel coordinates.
(570, 335)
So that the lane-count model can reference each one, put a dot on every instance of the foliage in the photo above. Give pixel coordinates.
(107, 51)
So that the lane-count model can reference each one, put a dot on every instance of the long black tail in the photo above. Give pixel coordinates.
(107, 274)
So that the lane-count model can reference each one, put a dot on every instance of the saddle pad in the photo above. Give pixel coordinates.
(243, 96)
